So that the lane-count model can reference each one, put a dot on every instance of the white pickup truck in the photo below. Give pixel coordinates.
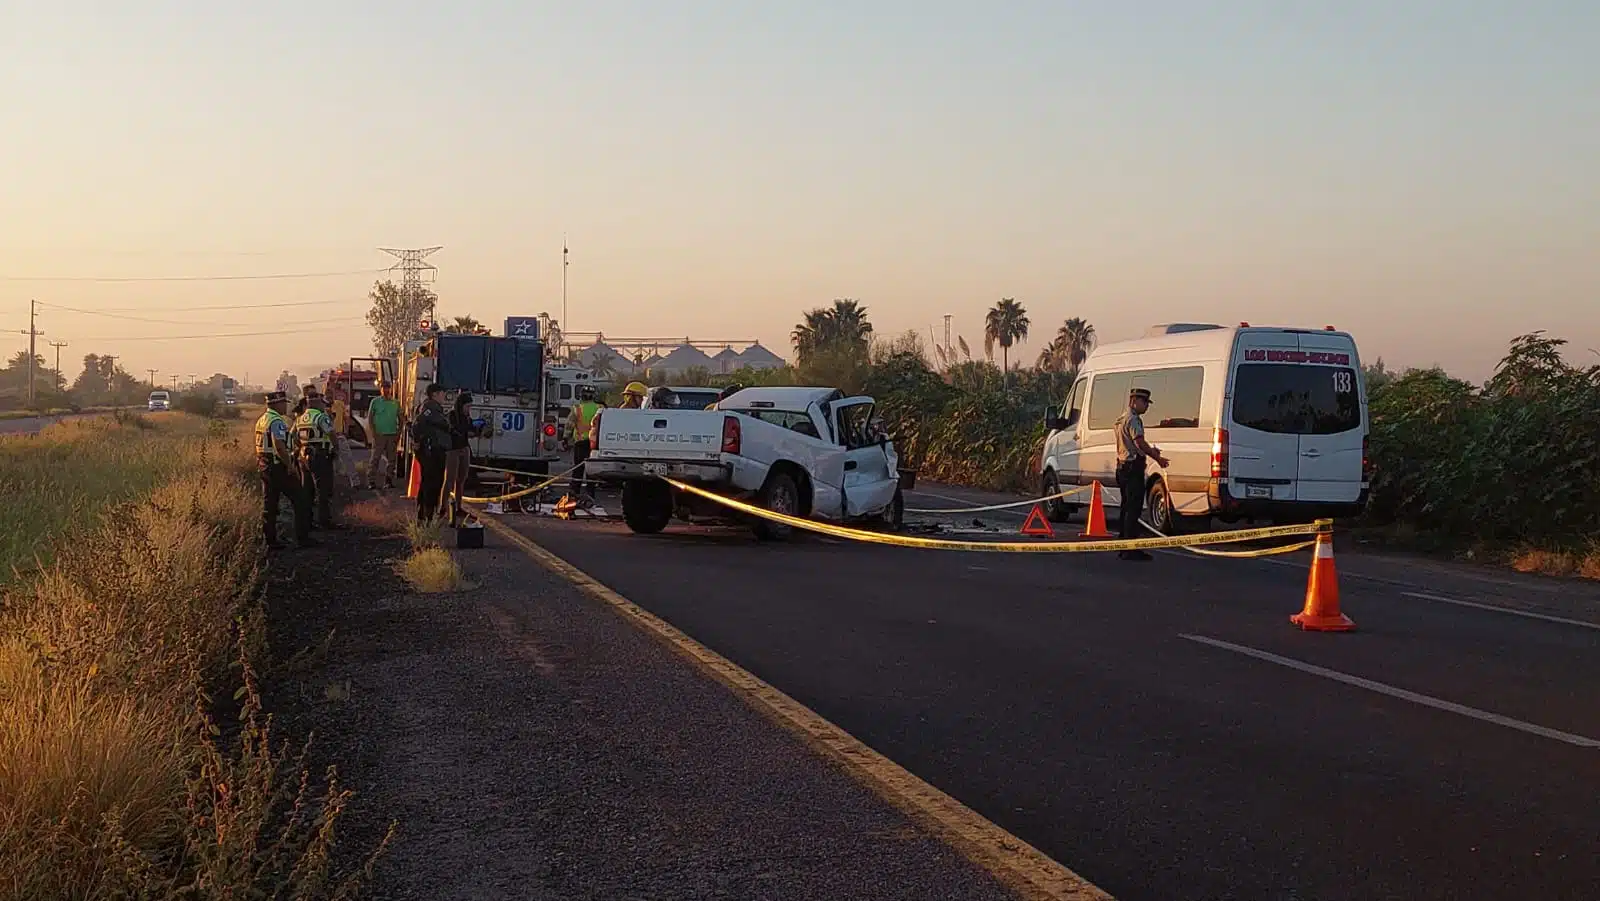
(810, 452)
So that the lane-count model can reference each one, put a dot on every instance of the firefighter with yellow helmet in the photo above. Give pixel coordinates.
(632, 398)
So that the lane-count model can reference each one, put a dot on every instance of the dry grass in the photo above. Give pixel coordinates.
(432, 570)
(61, 479)
(1583, 564)
(424, 535)
(377, 515)
(114, 782)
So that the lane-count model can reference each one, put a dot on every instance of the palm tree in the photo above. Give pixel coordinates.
(850, 325)
(1006, 324)
(1069, 348)
(844, 325)
(812, 333)
(464, 325)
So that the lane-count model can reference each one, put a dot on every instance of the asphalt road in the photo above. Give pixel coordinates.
(1160, 727)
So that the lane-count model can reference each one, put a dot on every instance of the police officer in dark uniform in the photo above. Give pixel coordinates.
(277, 479)
(313, 438)
(1132, 450)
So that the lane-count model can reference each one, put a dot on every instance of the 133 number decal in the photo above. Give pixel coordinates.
(1342, 382)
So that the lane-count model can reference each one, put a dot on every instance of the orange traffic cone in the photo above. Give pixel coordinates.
(1322, 593)
(414, 483)
(1097, 516)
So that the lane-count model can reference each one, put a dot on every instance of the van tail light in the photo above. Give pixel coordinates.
(730, 435)
(1366, 459)
(1219, 453)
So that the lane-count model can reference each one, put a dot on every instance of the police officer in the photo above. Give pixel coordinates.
(583, 413)
(273, 458)
(314, 445)
(1132, 450)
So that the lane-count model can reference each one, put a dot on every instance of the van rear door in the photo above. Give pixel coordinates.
(1331, 445)
(1297, 401)
(1263, 441)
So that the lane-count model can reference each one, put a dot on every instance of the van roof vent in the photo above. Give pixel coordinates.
(1178, 328)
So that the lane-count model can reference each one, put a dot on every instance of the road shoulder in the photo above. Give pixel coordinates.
(532, 743)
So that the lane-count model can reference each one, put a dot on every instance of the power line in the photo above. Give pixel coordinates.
(56, 306)
(225, 306)
(293, 331)
(185, 278)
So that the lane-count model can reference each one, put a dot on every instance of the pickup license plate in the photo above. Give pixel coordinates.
(657, 469)
(1258, 491)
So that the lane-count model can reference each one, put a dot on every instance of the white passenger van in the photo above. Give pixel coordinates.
(1257, 424)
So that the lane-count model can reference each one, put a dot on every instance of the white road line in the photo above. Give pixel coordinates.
(1401, 693)
(1491, 607)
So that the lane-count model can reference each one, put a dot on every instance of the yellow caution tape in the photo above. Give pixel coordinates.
(1014, 547)
(523, 493)
(1058, 495)
(1259, 552)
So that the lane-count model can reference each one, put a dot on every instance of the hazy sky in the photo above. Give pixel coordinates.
(1422, 173)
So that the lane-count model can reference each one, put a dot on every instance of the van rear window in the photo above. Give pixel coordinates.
(1291, 399)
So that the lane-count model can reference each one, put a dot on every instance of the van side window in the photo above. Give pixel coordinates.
(1108, 398)
(1072, 410)
(1177, 398)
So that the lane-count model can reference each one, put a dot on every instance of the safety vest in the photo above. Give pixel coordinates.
(264, 445)
(586, 411)
(313, 429)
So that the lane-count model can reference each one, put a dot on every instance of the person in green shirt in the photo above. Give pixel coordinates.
(384, 414)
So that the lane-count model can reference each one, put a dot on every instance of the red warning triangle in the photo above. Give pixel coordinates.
(1038, 524)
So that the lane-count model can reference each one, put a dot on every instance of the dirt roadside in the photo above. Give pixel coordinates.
(532, 744)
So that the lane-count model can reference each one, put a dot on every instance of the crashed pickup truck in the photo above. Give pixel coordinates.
(807, 452)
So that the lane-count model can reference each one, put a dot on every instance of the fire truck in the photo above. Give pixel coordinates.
(356, 386)
(505, 376)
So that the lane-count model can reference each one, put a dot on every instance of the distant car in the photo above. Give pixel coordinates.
(230, 400)
(160, 400)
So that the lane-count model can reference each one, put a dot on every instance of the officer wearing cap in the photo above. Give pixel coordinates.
(273, 458)
(314, 446)
(1132, 450)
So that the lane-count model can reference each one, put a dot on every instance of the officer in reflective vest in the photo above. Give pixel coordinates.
(583, 414)
(314, 447)
(277, 479)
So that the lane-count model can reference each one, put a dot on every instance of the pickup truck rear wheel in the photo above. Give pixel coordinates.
(646, 505)
(780, 495)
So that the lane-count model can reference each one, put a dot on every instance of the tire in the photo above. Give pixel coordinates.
(1158, 510)
(780, 495)
(646, 506)
(1057, 510)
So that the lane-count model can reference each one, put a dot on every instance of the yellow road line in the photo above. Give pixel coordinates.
(1024, 869)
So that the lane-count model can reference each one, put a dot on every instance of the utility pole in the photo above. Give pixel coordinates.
(33, 336)
(152, 374)
(565, 325)
(58, 345)
(947, 318)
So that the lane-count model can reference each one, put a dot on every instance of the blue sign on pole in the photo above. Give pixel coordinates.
(522, 327)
